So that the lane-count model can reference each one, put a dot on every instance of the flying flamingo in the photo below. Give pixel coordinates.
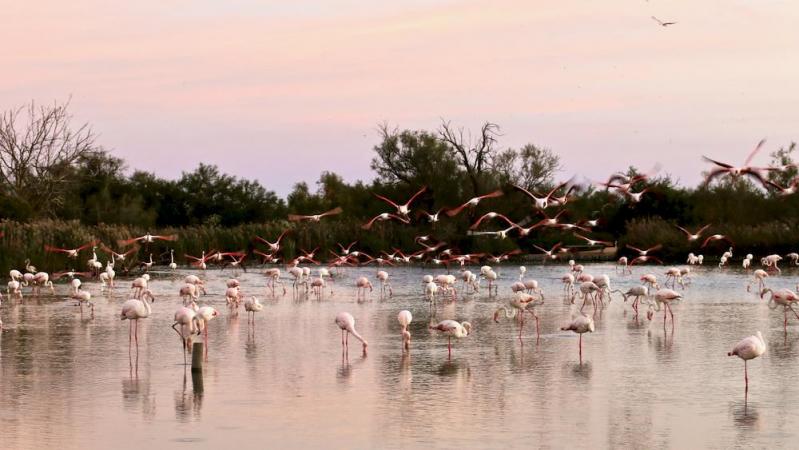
(119, 256)
(71, 252)
(473, 202)
(593, 242)
(542, 203)
(693, 236)
(792, 188)
(383, 217)
(550, 254)
(661, 23)
(315, 217)
(452, 328)
(715, 237)
(274, 247)
(404, 317)
(749, 348)
(404, 209)
(147, 239)
(432, 218)
(346, 323)
(491, 215)
(580, 324)
(735, 172)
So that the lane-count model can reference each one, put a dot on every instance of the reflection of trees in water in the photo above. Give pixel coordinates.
(136, 395)
(188, 403)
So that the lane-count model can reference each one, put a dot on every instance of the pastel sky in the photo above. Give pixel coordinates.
(280, 91)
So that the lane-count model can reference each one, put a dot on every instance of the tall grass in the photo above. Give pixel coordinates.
(22, 241)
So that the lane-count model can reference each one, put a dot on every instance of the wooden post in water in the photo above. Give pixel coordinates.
(197, 357)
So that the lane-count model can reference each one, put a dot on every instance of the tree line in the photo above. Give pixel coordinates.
(52, 169)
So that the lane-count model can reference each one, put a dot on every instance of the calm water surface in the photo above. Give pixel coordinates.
(67, 382)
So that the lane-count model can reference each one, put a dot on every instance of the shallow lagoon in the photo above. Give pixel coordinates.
(67, 381)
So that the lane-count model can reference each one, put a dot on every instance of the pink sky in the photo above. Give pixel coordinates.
(281, 92)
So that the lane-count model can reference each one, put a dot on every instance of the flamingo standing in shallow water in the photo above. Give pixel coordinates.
(205, 315)
(452, 328)
(580, 324)
(404, 317)
(133, 310)
(346, 322)
(749, 348)
(186, 318)
(252, 306)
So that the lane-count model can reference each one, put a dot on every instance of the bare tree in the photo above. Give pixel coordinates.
(38, 148)
(474, 154)
(530, 167)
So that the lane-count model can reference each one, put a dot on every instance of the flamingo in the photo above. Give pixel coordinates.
(452, 328)
(473, 202)
(580, 324)
(14, 289)
(29, 267)
(692, 237)
(189, 294)
(665, 297)
(541, 203)
(759, 276)
(593, 242)
(568, 284)
(636, 292)
(521, 303)
(147, 239)
(785, 298)
(195, 280)
(185, 317)
(83, 297)
(315, 217)
(404, 317)
(749, 348)
(42, 279)
(172, 264)
(274, 247)
(133, 310)
(735, 172)
(382, 276)
(204, 315)
(252, 306)
(625, 267)
(383, 217)
(119, 256)
(70, 252)
(146, 265)
(346, 323)
(661, 23)
(404, 209)
(360, 287)
(715, 237)
(549, 253)
(432, 218)
(491, 215)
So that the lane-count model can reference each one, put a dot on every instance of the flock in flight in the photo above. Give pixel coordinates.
(589, 294)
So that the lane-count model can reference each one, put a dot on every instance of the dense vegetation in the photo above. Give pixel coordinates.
(89, 193)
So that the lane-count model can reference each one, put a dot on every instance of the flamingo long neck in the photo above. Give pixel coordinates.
(171, 256)
(352, 331)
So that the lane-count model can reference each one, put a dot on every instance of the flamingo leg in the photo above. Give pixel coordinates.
(449, 346)
(746, 378)
(580, 344)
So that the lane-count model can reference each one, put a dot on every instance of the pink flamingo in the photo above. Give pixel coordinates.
(346, 323)
(580, 324)
(452, 328)
(404, 317)
(749, 348)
